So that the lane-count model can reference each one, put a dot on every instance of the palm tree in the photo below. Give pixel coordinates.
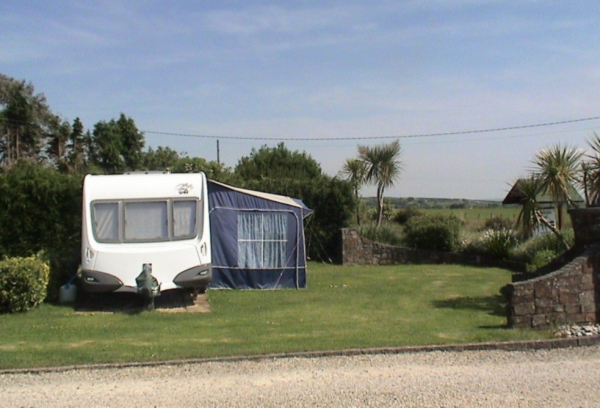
(557, 170)
(591, 173)
(531, 216)
(383, 168)
(355, 171)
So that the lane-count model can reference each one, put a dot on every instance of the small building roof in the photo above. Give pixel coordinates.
(515, 195)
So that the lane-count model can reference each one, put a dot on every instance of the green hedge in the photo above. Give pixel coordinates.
(40, 210)
(433, 232)
(23, 283)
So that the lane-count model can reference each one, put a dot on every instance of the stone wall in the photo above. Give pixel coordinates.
(357, 250)
(568, 295)
(586, 225)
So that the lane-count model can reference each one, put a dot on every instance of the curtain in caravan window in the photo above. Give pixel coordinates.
(106, 221)
(146, 221)
(262, 240)
(184, 218)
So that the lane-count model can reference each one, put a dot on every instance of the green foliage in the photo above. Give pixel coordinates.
(277, 162)
(25, 118)
(117, 145)
(402, 216)
(433, 232)
(42, 210)
(383, 167)
(23, 284)
(527, 251)
(498, 224)
(213, 170)
(386, 233)
(499, 243)
(161, 159)
(540, 259)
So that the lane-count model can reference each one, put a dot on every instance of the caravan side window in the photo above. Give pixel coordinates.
(262, 240)
(145, 221)
(184, 218)
(106, 221)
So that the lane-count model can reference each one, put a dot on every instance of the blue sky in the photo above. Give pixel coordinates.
(299, 71)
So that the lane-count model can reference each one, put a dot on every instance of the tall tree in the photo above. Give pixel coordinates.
(277, 162)
(355, 171)
(116, 146)
(557, 170)
(383, 168)
(163, 158)
(132, 142)
(76, 145)
(56, 149)
(26, 119)
(591, 173)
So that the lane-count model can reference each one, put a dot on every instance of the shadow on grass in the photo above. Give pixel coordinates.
(495, 305)
(131, 303)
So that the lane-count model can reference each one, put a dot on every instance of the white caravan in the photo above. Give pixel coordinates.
(137, 219)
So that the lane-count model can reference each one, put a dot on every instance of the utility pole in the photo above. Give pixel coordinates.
(218, 153)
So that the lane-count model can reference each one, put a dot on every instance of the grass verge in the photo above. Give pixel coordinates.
(344, 307)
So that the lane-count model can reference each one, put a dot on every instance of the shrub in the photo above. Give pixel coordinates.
(386, 233)
(540, 259)
(402, 216)
(526, 251)
(42, 208)
(497, 224)
(433, 232)
(23, 283)
(499, 243)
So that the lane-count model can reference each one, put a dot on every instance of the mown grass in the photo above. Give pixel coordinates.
(343, 307)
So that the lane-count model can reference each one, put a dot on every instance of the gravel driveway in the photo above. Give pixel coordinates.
(544, 378)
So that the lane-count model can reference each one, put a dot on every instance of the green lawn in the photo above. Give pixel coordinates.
(343, 307)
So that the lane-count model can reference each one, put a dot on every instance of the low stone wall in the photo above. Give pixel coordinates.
(357, 250)
(586, 225)
(568, 295)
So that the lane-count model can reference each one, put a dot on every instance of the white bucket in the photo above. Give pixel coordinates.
(67, 293)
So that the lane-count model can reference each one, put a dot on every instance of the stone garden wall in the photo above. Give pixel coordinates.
(357, 250)
(568, 295)
(571, 293)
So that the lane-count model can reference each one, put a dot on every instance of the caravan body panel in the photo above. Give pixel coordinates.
(134, 219)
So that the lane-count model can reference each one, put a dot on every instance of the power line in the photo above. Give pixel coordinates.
(421, 135)
(466, 132)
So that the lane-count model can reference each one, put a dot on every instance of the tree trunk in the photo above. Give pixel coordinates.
(556, 232)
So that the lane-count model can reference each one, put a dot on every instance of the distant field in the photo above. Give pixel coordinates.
(476, 217)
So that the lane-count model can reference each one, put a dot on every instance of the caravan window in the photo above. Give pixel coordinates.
(144, 221)
(262, 240)
(106, 221)
(184, 218)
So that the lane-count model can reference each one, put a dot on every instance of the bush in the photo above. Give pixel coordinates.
(23, 283)
(526, 251)
(540, 259)
(386, 233)
(402, 216)
(42, 208)
(433, 232)
(497, 224)
(499, 243)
